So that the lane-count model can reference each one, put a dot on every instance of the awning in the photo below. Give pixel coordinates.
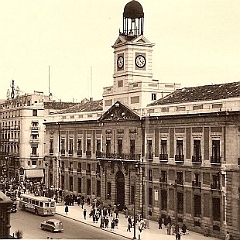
(34, 173)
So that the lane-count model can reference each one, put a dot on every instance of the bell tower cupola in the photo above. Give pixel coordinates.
(133, 19)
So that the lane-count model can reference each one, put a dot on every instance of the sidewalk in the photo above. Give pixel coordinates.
(76, 213)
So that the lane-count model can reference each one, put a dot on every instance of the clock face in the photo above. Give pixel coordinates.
(140, 61)
(120, 62)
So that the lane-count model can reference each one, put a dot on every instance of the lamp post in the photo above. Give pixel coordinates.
(134, 212)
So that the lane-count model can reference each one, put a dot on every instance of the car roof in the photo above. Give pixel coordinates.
(53, 220)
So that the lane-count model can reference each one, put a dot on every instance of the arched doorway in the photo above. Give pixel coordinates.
(120, 186)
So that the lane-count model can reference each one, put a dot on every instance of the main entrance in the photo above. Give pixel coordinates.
(120, 185)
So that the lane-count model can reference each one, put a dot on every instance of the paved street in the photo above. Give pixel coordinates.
(76, 213)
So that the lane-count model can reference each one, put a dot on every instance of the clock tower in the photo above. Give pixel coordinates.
(133, 82)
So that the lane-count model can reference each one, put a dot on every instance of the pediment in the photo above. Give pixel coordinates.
(141, 39)
(119, 112)
(120, 40)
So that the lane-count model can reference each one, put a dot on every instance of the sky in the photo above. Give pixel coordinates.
(196, 43)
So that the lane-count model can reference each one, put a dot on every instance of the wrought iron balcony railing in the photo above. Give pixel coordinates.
(163, 157)
(119, 156)
(179, 158)
(196, 184)
(215, 160)
(197, 159)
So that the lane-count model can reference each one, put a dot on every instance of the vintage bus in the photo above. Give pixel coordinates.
(39, 205)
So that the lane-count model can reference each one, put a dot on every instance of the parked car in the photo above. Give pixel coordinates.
(52, 225)
(14, 207)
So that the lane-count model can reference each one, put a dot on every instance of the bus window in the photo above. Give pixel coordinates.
(37, 203)
(41, 204)
(52, 204)
(33, 202)
(46, 204)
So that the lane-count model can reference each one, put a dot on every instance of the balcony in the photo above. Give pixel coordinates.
(196, 184)
(179, 182)
(197, 159)
(51, 152)
(98, 154)
(34, 140)
(79, 153)
(163, 157)
(88, 154)
(179, 158)
(119, 156)
(34, 155)
(62, 152)
(79, 170)
(149, 156)
(70, 152)
(216, 160)
(215, 186)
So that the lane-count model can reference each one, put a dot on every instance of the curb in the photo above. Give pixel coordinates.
(77, 220)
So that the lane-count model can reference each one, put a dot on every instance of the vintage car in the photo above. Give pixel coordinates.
(52, 225)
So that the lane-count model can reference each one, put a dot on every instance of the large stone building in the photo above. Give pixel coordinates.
(22, 134)
(164, 150)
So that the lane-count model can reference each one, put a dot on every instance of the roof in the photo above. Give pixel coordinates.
(58, 105)
(86, 106)
(133, 10)
(201, 93)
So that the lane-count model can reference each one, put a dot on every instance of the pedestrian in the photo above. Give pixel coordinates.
(106, 222)
(206, 231)
(228, 236)
(184, 229)
(82, 202)
(129, 224)
(168, 229)
(112, 225)
(116, 212)
(173, 229)
(84, 213)
(66, 209)
(160, 222)
(178, 236)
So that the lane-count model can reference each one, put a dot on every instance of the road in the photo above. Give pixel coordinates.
(29, 223)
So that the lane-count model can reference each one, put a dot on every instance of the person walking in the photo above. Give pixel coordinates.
(112, 225)
(129, 224)
(228, 236)
(85, 213)
(66, 209)
(178, 236)
(160, 222)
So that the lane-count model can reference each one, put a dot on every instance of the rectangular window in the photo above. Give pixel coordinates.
(99, 148)
(132, 148)
(150, 194)
(88, 170)
(51, 147)
(154, 96)
(35, 112)
(109, 190)
(88, 152)
(149, 150)
(197, 206)
(79, 167)
(79, 185)
(71, 183)
(120, 83)
(119, 147)
(163, 154)
(180, 202)
(150, 175)
(179, 151)
(197, 157)
(179, 179)
(34, 150)
(79, 147)
(216, 209)
(215, 151)
(70, 147)
(108, 148)
(164, 199)
(134, 99)
(89, 187)
(63, 146)
(98, 188)
(163, 177)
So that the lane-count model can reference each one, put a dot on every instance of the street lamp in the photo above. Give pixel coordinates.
(58, 157)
